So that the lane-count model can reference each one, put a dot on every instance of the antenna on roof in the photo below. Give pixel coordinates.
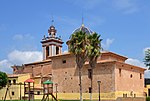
(82, 19)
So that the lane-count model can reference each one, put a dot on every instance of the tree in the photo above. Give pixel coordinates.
(78, 46)
(94, 47)
(3, 79)
(147, 58)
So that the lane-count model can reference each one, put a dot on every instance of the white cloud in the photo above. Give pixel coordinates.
(130, 11)
(135, 62)
(2, 27)
(147, 74)
(18, 37)
(22, 37)
(88, 4)
(127, 6)
(94, 20)
(19, 57)
(5, 66)
(107, 44)
(123, 4)
(29, 36)
(65, 51)
(67, 20)
(140, 64)
(145, 49)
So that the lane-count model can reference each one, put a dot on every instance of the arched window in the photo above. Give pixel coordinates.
(14, 81)
(9, 81)
(13, 93)
(57, 50)
(131, 76)
(47, 51)
(120, 72)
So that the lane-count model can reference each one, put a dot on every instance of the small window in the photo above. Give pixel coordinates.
(38, 92)
(63, 61)
(47, 51)
(57, 50)
(140, 76)
(131, 76)
(89, 73)
(90, 90)
(71, 78)
(14, 81)
(124, 95)
(134, 95)
(65, 78)
(13, 93)
(9, 81)
(120, 72)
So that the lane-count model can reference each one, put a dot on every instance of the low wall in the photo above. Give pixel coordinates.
(95, 96)
(70, 96)
(131, 99)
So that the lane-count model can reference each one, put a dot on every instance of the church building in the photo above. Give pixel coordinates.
(119, 81)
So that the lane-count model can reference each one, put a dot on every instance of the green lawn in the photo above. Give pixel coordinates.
(49, 100)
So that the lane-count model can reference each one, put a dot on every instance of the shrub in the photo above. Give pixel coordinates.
(147, 98)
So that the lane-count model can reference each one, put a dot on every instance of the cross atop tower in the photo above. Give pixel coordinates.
(52, 21)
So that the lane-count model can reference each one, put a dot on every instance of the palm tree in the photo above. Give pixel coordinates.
(147, 58)
(78, 46)
(94, 48)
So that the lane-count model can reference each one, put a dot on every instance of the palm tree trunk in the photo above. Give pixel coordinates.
(91, 84)
(80, 83)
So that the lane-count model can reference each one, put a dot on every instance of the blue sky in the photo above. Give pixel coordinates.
(124, 26)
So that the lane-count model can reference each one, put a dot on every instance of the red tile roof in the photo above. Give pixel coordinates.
(29, 80)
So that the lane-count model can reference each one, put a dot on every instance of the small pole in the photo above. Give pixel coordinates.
(24, 91)
(48, 91)
(56, 90)
(99, 89)
(29, 91)
(20, 89)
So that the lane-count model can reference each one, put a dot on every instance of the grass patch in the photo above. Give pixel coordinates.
(54, 100)
(147, 98)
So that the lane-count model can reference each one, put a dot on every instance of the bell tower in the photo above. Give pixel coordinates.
(52, 45)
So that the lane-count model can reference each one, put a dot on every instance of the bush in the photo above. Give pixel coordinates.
(3, 79)
(147, 98)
